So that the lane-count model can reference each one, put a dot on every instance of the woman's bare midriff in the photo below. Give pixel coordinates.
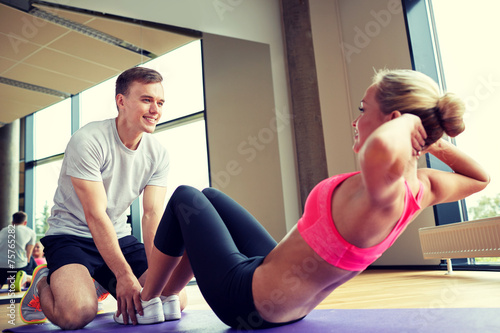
(293, 280)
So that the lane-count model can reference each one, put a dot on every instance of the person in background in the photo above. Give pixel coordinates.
(89, 247)
(38, 254)
(349, 220)
(16, 245)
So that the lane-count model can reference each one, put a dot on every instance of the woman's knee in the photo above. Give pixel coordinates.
(211, 192)
(191, 195)
(184, 194)
(182, 189)
(190, 198)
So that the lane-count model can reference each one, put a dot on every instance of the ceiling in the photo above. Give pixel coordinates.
(47, 56)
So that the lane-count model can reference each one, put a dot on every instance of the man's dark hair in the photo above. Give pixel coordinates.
(19, 217)
(136, 74)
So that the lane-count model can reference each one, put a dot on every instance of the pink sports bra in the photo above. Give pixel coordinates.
(318, 229)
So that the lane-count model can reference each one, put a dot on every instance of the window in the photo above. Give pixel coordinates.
(52, 129)
(51, 133)
(478, 85)
(457, 49)
(98, 102)
(187, 148)
(182, 126)
(182, 81)
(181, 130)
(470, 65)
(46, 176)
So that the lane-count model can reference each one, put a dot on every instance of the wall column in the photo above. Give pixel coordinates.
(304, 92)
(9, 171)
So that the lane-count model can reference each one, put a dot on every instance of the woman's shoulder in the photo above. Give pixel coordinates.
(428, 178)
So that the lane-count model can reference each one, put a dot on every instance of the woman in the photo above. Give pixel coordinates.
(349, 221)
(38, 254)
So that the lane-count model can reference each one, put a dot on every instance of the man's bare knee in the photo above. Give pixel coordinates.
(74, 297)
(78, 317)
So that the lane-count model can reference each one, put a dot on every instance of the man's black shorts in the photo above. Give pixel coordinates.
(61, 250)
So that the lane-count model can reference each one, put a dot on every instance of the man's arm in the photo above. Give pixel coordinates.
(153, 206)
(94, 202)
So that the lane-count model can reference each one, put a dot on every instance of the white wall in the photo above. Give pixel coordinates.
(242, 127)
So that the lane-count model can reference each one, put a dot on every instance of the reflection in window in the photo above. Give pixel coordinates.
(46, 176)
(52, 129)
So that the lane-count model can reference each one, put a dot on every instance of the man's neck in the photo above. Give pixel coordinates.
(129, 140)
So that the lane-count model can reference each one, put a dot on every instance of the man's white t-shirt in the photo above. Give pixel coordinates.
(96, 153)
(21, 236)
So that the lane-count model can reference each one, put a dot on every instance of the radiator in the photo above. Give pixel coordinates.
(471, 239)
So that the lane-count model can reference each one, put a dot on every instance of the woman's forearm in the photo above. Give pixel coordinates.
(458, 161)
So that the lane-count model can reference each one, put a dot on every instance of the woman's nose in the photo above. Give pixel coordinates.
(355, 121)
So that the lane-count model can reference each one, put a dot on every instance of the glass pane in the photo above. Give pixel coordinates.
(98, 102)
(471, 69)
(182, 80)
(52, 129)
(46, 177)
(487, 261)
(187, 148)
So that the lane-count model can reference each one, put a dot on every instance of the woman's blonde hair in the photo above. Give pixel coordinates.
(409, 91)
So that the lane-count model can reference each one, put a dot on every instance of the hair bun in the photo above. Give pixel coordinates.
(450, 110)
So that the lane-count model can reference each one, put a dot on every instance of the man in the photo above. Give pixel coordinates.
(107, 165)
(16, 245)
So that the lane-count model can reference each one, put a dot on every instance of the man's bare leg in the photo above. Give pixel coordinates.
(70, 301)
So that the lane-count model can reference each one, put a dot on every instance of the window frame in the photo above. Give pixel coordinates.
(425, 56)
(31, 162)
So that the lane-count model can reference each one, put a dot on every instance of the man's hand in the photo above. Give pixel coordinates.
(128, 297)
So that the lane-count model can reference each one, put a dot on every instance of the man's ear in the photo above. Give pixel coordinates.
(395, 114)
(119, 101)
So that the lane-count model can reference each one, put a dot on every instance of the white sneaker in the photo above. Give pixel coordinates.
(171, 307)
(153, 313)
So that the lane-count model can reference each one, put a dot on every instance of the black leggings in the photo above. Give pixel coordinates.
(224, 243)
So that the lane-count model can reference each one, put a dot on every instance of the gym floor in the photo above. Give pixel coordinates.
(373, 289)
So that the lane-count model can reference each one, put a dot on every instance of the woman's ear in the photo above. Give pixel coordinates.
(395, 114)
